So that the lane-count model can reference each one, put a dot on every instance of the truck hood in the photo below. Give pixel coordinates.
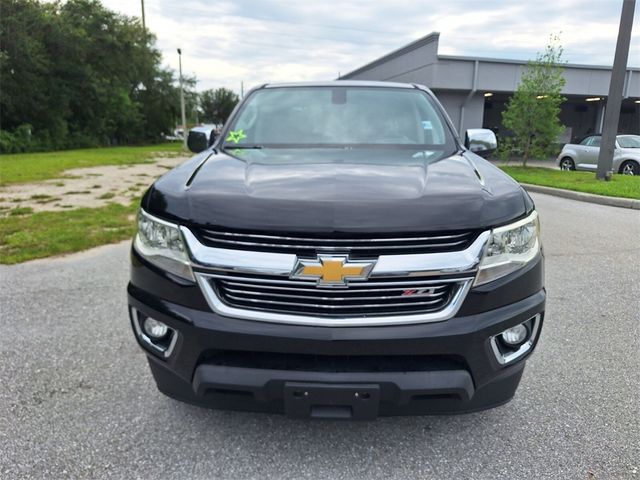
(322, 190)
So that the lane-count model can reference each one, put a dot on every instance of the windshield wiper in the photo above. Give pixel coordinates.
(241, 147)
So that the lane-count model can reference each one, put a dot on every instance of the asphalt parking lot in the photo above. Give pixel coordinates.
(77, 399)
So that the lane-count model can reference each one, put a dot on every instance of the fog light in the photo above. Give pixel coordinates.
(514, 336)
(153, 334)
(154, 328)
(516, 342)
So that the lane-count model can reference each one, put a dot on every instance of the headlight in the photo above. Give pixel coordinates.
(161, 243)
(509, 248)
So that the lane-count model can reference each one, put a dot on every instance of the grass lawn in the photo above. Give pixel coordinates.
(25, 235)
(43, 234)
(624, 186)
(30, 167)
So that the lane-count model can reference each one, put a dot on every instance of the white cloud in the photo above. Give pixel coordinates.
(258, 41)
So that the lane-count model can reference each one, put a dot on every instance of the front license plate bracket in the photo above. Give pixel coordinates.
(331, 400)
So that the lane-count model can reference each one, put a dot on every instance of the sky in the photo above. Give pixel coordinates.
(225, 43)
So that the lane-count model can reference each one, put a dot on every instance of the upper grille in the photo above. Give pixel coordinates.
(373, 297)
(356, 245)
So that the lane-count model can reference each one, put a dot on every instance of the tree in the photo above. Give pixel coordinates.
(532, 113)
(217, 105)
(76, 74)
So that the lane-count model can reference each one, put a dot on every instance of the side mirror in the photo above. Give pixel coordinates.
(480, 141)
(200, 139)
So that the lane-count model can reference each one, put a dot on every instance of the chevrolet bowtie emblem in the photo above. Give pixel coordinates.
(332, 270)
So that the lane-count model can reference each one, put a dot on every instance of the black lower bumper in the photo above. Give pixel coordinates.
(358, 396)
(439, 368)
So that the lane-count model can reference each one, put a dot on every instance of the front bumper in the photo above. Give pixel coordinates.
(355, 372)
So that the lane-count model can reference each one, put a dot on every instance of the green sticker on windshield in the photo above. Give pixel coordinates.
(236, 135)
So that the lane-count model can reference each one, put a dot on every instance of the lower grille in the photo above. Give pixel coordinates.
(333, 363)
(371, 298)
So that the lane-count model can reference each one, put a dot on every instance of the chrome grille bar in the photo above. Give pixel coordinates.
(438, 296)
(320, 290)
(404, 266)
(318, 305)
(371, 284)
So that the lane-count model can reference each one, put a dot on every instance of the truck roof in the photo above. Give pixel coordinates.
(342, 83)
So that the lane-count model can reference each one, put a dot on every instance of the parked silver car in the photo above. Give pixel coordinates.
(584, 155)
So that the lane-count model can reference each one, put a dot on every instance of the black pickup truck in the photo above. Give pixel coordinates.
(338, 252)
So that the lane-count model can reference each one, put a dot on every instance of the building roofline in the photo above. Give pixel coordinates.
(524, 62)
(430, 38)
(434, 37)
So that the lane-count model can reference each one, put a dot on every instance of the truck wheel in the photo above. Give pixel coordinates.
(630, 168)
(567, 164)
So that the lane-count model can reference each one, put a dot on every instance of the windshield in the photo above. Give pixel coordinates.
(339, 117)
(629, 141)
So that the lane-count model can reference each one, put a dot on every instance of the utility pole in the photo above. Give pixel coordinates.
(196, 111)
(184, 119)
(614, 100)
(144, 27)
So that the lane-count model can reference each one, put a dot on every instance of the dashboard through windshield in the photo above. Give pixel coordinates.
(340, 117)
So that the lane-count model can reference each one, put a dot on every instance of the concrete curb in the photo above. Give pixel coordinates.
(584, 197)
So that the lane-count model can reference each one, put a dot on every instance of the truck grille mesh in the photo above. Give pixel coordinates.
(310, 362)
(357, 246)
(373, 297)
